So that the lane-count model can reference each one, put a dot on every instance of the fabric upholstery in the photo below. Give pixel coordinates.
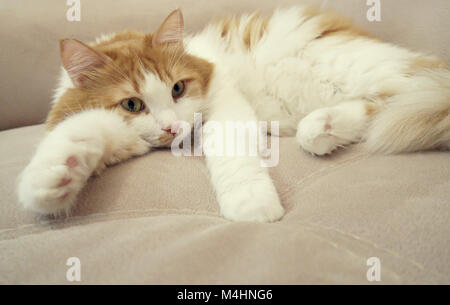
(155, 220)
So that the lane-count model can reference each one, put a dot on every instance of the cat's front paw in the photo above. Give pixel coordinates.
(52, 188)
(251, 202)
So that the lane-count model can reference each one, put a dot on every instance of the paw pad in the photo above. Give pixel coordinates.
(71, 162)
(64, 196)
(64, 181)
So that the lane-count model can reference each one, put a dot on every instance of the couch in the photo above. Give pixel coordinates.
(155, 220)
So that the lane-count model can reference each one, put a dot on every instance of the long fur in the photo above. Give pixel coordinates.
(327, 82)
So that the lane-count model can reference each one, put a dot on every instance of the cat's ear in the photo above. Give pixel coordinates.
(171, 30)
(78, 59)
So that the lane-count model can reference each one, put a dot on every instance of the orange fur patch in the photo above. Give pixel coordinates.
(371, 109)
(254, 30)
(420, 63)
(331, 23)
(229, 28)
(130, 55)
(165, 138)
(248, 33)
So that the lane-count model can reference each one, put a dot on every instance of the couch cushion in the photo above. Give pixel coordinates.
(154, 219)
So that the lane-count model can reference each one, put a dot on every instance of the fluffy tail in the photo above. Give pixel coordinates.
(416, 118)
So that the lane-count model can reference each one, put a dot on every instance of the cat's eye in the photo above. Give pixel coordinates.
(178, 89)
(133, 104)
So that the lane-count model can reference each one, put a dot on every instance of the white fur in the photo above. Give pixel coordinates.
(289, 74)
(94, 138)
(325, 129)
(244, 189)
(64, 83)
(317, 88)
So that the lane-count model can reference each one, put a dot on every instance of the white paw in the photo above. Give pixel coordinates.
(256, 202)
(315, 133)
(51, 187)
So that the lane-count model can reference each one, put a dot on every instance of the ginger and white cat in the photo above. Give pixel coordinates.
(326, 82)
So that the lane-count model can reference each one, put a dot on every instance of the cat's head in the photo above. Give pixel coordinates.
(147, 78)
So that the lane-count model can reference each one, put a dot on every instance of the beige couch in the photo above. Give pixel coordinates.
(154, 219)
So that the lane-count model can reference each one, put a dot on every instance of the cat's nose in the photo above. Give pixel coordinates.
(173, 129)
(168, 129)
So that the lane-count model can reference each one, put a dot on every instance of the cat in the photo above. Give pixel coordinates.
(328, 84)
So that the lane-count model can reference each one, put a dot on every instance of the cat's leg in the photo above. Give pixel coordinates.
(244, 189)
(70, 154)
(325, 129)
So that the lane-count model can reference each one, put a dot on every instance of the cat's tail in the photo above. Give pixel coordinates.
(416, 118)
